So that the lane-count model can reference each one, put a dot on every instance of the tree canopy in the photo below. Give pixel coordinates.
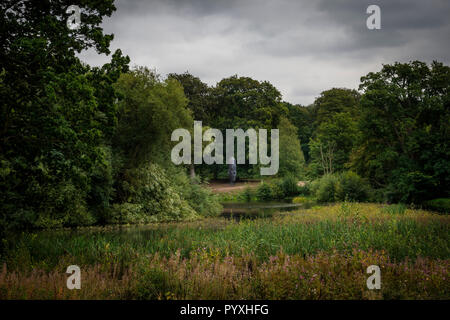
(56, 112)
(405, 125)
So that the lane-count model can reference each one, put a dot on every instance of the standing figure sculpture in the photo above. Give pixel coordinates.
(232, 170)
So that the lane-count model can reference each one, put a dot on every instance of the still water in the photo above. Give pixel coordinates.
(253, 210)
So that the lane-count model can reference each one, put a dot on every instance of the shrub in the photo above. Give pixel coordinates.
(127, 213)
(440, 205)
(324, 188)
(150, 192)
(202, 200)
(195, 192)
(352, 187)
(347, 186)
(247, 194)
(289, 186)
(64, 205)
(264, 192)
(277, 189)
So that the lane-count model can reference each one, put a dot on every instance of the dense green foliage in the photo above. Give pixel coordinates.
(242, 102)
(324, 189)
(405, 130)
(57, 115)
(82, 145)
(292, 161)
(77, 142)
(332, 144)
(395, 134)
(352, 187)
(277, 189)
(148, 113)
(198, 94)
(149, 197)
(303, 118)
(341, 187)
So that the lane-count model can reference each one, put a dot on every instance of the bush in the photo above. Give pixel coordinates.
(270, 191)
(202, 200)
(264, 192)
(324, 188)
(150, 197)
(198, 196)
(440, 205)
(277, 190)
(63, 205)
(378, 195)
(128, 213)
(247, 194)
(352, 187)
(347, 186)
(289, 186)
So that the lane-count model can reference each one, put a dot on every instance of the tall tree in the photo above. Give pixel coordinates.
(304, 119)
(332, 144)
(292, 161)
(57, 113)
(198, 95)
(405, 127)
(148, 113)
(242, 102)
(199, 102)
(334, 101)
(336, 113)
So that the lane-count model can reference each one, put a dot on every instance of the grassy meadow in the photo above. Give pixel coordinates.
(317, 253)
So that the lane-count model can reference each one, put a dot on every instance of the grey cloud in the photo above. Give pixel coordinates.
(302, 47)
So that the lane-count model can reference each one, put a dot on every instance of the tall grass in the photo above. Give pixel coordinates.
(299, 233)
(343, 230)
(325, 275)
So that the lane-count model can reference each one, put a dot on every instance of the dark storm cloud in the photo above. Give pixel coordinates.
(404, 23)
(302, 47)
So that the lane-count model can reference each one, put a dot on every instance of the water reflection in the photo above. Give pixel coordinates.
(253, 210)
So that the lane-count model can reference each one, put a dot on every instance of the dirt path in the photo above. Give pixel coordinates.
(220, 186)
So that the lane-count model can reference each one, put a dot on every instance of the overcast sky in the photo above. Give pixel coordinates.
(301, 47)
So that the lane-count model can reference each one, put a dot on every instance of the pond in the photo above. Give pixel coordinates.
(257, 209)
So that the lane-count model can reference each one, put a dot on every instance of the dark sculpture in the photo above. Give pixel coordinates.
(232, 171)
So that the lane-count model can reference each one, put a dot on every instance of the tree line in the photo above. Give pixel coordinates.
(83, 145)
